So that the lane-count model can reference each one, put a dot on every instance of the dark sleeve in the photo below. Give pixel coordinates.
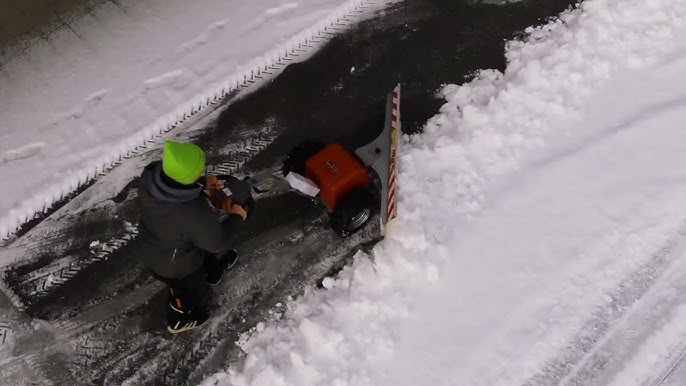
(207, 233)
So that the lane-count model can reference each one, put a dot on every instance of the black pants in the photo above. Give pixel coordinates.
(191, 292)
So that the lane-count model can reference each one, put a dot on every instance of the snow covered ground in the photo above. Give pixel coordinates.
(541, 236)
(62, 120)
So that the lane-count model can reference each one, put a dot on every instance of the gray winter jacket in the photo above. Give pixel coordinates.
(178, 226)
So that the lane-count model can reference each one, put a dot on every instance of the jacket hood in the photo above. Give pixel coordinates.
(152, 182)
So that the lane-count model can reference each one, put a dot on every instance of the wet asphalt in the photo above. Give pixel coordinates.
(339, 94)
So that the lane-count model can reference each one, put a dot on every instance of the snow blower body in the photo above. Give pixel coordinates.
(354, 185)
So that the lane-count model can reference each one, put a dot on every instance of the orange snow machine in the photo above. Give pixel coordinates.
(336, 172)
(354, 186)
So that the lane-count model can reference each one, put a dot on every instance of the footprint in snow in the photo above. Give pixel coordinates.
(271, 12)
(268, 14)
(24, 152)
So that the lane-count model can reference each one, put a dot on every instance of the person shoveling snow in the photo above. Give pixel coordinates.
(186, 246)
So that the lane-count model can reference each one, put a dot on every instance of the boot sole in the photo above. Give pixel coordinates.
(187, 327)
(180, 330)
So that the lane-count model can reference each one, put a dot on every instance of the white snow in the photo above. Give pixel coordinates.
(541, 213)
(125, 72)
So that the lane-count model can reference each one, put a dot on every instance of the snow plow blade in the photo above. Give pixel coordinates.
(381, 155)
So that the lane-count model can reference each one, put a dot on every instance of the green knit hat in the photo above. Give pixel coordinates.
(183, 162)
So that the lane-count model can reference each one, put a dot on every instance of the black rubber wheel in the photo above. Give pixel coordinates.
(296, 159)
(354, 211)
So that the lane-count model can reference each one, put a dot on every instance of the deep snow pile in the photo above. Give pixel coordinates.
(533, 212)
(124, 72)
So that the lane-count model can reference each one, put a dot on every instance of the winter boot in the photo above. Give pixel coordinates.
(180, 321)
(215, 267)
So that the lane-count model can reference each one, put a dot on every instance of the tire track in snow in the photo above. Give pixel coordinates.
(14, 325)
(598, 137)
(79, 333)
(36, 283)
(617, 327)
(666, 366)
(32, 279)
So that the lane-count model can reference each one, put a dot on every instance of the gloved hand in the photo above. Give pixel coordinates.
(214, 192)
(221, 201)
(237, 209)
(217, 193)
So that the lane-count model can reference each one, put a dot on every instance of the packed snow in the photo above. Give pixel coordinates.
(541, 233)
(160, 59)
